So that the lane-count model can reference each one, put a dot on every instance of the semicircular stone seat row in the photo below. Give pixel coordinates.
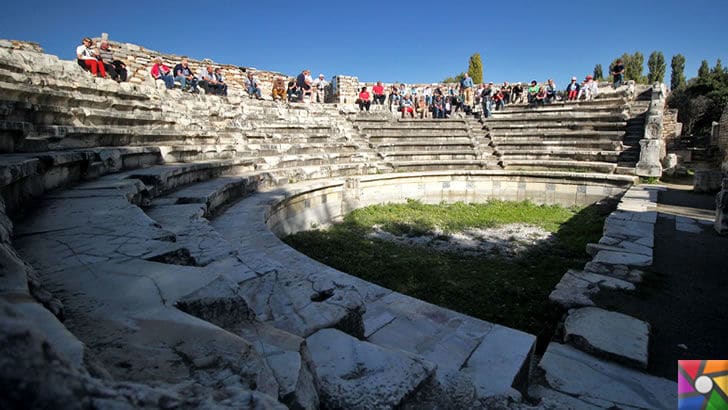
(138, 269)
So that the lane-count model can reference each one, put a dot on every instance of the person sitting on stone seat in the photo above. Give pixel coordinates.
(363, 100)
(588, 89)
(162, 72)
(532, 91)
(394, 96)
(407, 106)
(115, 68)
(220, 78)
(184, 75)
(438, 106)
(550, 91)
(208, 82)
(292, 91)
(304, 83)
(506, 89)
(88, 58)
(421, 107)
(279, 89)
(572, 90)
(498, 99)
(517, 93)
(251, 85)
(540, 97)
(378, 91)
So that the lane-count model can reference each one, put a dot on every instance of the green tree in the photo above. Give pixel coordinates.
(718, 69)
(701, 101)
(598, 74)
(475, 68)
(455, 79)
(704, 69)
(677, 75)
(656, 64)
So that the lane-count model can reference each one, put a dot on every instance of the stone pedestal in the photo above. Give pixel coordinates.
(721, 209)
(707, 181)
(649, 164)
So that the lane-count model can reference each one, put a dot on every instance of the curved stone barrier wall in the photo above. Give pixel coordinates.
(324, 203)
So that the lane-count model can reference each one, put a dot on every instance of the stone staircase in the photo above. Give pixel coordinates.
(598, 135)
(425, 144)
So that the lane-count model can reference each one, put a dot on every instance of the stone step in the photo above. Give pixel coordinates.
(423, 138)
(611, 100)
(558, 116)
(616, 107)
(354, 374)
(553, 153)
(546, 164)
(565, 125)
(611, 335)
(555, 133)
(594, 381)
(424, 146)
(423, 132)
(429, 155)
(443, 165)
(557, 145)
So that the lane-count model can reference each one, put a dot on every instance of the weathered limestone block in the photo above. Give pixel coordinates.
(575, 288)
(610, 334)
(602, 383)
(353, 374)
(649, 164)
(721, 211)
(707, 181)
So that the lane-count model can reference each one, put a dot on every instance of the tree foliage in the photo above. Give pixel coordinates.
(455, 79)
(718, 69)
(704, 69)
(701, 101)
(677, 75)
(598, 73)
(475, 68)
(656, 64)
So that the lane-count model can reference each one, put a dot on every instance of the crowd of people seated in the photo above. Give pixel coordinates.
(441, 101)
(436, 101)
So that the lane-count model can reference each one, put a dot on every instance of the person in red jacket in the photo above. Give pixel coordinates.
(161, 72)
(363, 99)
(378, 91)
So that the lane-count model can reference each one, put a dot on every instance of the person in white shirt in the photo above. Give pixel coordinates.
(319, 85)
(88, 58)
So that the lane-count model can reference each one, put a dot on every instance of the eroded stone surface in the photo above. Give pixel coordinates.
(609, 334)
(359, 375)
(570, 371)
(575, 287)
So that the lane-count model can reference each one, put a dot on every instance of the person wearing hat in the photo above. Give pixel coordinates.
(319, 85)
(572, 89)
(589, 89)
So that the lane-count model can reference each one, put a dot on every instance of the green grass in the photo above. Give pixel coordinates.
(512, 292)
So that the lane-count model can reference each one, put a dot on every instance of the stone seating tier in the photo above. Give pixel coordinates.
(129, 197)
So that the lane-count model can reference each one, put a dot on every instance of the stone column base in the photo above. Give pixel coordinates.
(649, 164)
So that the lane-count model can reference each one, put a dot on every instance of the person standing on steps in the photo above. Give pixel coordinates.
(466, 89)
(618, 74)
(319, 85)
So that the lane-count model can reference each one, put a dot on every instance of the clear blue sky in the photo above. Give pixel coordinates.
(412, 41)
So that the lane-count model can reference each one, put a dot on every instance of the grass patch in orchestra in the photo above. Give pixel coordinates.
(512, 291)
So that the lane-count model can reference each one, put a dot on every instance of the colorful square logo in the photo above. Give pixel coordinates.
(702, 384)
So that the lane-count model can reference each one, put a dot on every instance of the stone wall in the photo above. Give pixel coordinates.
(21, 45)
(671, 128)
(720, 137)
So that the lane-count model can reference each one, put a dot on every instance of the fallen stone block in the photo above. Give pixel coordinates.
(622, 258)
(590, 379)
(612, 335)
(575, 288)
(353, 374)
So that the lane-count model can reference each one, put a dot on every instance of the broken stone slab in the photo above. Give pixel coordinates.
(288, 357)
(360, 375)
(621, 246)
(501, 364)
(218, 302)
(612, 335)
(575, 288)
(647, 216)
(587, 378)
(623, 272)
(552, 399)
(610, 257)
